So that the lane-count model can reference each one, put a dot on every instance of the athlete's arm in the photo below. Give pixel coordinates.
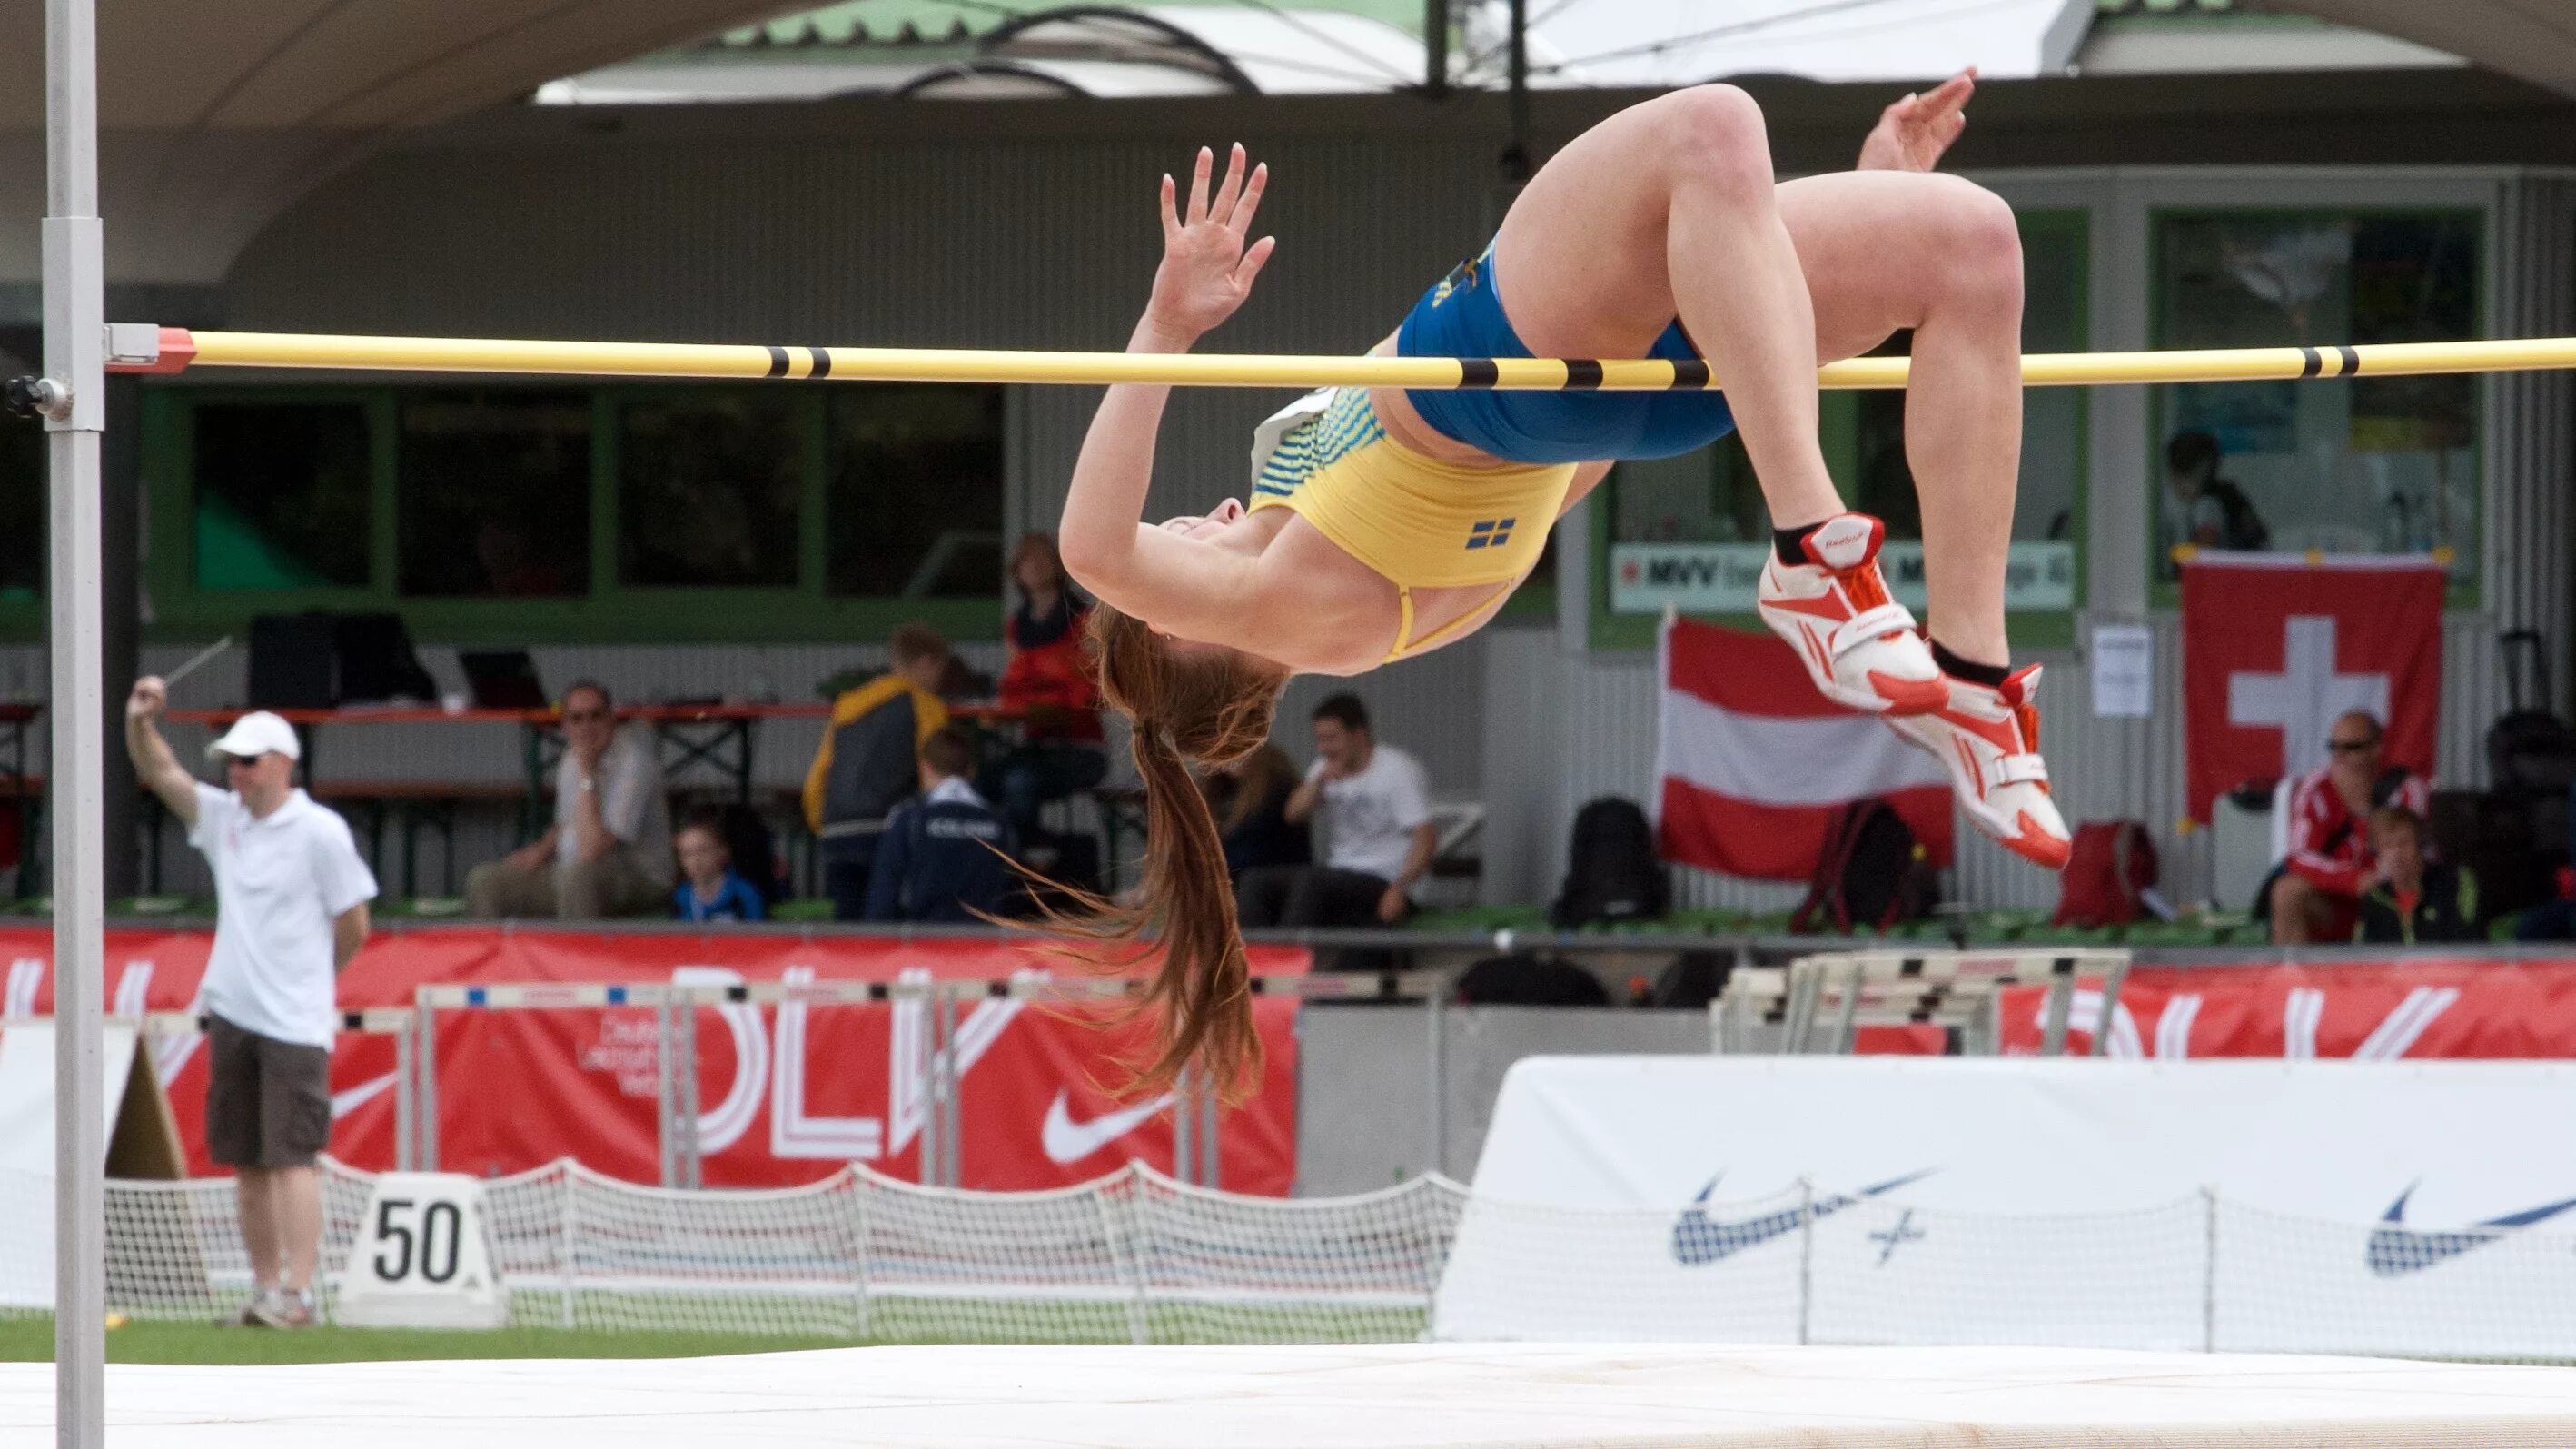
(1206, 272)
(1912, 133)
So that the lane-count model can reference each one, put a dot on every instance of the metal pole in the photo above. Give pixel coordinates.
(75, 345)
(1517, 166)
(2061, 1002)
(952, 1116)
(1185, 1139)
(425, 1060)
(2209, 1270)
(1435, 49)
(689, 1102)
(664, 1074)
(1211, 1102)
(1436, 1073)
(1806, 1259)
(406, 1098)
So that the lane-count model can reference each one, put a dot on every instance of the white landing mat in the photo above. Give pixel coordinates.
(1365, 1397)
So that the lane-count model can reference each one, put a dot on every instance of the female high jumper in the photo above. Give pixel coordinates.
(1387, 522)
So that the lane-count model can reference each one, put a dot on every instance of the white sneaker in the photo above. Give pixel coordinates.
(1988, 739)
(1859, 645)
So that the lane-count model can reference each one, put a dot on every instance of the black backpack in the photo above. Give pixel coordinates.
(1522, 979)
(2530, 750)
(1871, 873)
(1612, 873)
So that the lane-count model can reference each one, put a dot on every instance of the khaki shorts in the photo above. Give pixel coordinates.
(268, 1102)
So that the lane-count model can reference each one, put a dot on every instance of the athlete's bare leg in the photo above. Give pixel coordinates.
(1601, 252)
(1678, 187)
(1885, 250)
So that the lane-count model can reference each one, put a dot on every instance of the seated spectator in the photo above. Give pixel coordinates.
(1378, 836)
(945, 855)
(2201, 508)
(1249, 799)
(2414, 901)
(609, 850)
(1048, 678)
(869, 762)
(2315, 894)
(709, 889)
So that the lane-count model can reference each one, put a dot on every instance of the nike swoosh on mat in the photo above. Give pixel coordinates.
(1699, 1239)
(1067, 1141)
(2396, 1250)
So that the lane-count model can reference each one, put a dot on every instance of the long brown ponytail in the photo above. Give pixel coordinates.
(1209, 708)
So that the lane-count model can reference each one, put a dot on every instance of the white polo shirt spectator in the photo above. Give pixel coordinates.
(279, 882)
(1370, 817)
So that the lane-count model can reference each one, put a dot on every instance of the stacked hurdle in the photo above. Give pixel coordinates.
(1820, 1003)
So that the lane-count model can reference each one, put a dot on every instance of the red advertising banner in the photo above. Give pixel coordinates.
(2430, 1007)
(788, 1093)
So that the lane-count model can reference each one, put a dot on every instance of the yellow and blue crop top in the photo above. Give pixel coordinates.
(1418, 521)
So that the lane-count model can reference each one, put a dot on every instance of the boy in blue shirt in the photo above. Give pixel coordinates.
(943, 855)
(709, 888)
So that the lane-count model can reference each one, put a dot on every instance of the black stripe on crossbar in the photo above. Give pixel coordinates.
(2351, 360)
(1582, 374)
(822, 361)
(777, 361)
(1478, 372)
(353, 1021)
(1689, 372)
(737, 993)
(2310, 364)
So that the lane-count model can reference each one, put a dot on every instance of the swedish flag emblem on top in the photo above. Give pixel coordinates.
(1490, 532)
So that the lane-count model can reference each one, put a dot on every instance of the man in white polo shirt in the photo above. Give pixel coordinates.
(290, 910)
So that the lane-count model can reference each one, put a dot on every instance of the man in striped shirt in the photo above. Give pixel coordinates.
(2315, 893)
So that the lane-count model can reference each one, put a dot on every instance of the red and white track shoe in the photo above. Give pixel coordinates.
(1987, 737)
(1859, 645)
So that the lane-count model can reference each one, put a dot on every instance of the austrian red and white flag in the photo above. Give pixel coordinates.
(2276, 645)
(1754, 762)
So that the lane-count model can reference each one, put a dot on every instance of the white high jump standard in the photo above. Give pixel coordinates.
(1364, 1397)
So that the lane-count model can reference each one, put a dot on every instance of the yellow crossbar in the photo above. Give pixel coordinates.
(181, 349)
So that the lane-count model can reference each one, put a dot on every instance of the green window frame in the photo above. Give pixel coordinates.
(612, 611)
(2166, 593)
(1839, 433)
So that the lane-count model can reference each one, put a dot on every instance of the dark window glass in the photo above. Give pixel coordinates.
(915, 504)
(2378, 465)
(707, 490)
(281, 495)
(22, 478)
(495, 490)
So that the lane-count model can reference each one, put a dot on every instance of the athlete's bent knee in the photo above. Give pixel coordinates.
(1978, 241)
(1716, 135)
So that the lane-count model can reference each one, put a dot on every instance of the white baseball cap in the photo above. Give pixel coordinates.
(255, 734)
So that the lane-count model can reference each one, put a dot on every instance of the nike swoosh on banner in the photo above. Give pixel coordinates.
(1067, 1141)
(344, 1103)
(2396, 1250)
(1697, 1239)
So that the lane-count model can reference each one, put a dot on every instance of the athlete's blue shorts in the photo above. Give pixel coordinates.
(1463, 317)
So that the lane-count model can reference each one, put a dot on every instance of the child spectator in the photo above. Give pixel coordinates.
(709, 888)
(944, 853)
(2414, 901)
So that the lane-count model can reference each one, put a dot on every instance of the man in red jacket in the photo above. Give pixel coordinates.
(2316, 892)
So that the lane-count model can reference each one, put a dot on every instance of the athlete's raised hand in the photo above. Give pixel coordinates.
(1912, 133)
(1207, 269)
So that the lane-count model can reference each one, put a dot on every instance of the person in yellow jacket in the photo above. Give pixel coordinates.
(869, 762)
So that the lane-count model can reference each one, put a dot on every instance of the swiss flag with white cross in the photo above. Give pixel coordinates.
(2275, 646)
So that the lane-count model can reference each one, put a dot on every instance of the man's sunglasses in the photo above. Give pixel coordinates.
(2353, 747)
(583, 716)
